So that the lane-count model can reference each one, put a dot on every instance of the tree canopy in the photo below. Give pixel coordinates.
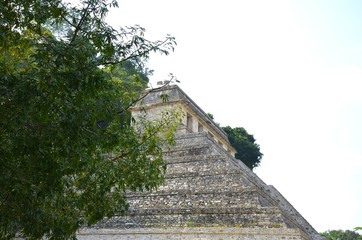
(341, 235)
(65, 72)
(247, 150)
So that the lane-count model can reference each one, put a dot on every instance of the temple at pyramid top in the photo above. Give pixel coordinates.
(195, 119)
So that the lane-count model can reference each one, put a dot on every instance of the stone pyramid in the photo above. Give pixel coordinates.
(208, 194)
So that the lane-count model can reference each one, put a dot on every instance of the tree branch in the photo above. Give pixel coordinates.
(138, 51)
(80, 23)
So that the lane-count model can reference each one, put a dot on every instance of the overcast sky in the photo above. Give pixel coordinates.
(290, 73)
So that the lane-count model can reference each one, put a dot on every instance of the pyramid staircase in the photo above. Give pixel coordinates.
(207, 194)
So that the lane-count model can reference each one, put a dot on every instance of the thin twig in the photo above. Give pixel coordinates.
(80, 23)
(133, 55)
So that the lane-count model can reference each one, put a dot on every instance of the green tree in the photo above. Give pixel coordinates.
(63, 72)
(211, 116)
(247, 150)
(341, 235)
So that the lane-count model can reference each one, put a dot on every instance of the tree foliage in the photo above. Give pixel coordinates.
(341, 235)
(64, 71)
(247, 150)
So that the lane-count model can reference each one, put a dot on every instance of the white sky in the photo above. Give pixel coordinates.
(290, 73)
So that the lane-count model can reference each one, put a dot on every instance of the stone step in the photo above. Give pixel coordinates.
(185, 159)
(202, 173)
(245, 198)
(192, 233)
(210, 210)
(237, 189)
(206, 182)
(201, 167)
(211, 217)
(191, 139)
(190, 151)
